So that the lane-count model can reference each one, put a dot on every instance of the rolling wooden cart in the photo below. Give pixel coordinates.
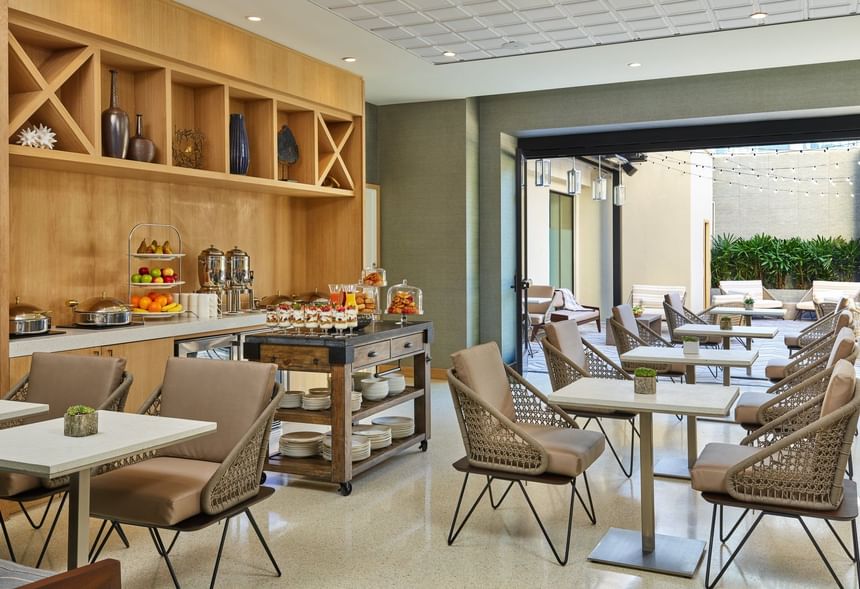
(383, 342)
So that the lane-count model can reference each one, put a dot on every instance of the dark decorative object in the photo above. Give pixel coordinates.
(240, 157)
(288, 151)
(114, 124)
(331, 182)
(188, 148)
(140, 148)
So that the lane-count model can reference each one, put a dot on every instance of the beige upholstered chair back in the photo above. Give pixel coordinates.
(674, 300)
(844, 346)
(840, 389)
(232, 394)
(831, 291)
(565, 336)
(844, 319)
(62, 380)
(623, 314)
(753, 288)
(481, 369)
(541, 291)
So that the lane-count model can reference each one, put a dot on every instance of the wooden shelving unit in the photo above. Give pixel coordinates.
(65, 84)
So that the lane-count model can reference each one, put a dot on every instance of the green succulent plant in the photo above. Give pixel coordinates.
(79, 410)
(645, 372)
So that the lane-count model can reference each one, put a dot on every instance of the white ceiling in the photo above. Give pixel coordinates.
(394, 75)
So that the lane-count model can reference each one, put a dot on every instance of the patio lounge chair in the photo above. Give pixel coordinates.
(825, 294)
(650, 297)
(734, 291)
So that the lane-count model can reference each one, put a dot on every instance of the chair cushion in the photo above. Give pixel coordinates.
(753, 288)
(767, 304)
(674, 300)
(564, 335)
(162, 491)
(844, 319)
(792, 341)
(13, 575)
(746, 410)
(62, 380)
(843, 345)
(536, 318)
(805, 306)
(12, 483)
(579, 316)
(571, 451)
(840, 389)
(708, 474)
(726, 299)
(482, 370)
(233, 394)
(775, 369)
(624, 315)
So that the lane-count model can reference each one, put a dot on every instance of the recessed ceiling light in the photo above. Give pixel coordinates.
(254, 18)
(350, 59)
(634, 64)
(449, 54)
(758, 15)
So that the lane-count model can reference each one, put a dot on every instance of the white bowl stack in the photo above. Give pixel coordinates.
(312, 402)
(379, 435)
(396, 383)
(360, 448)
(292, 400)
(374, 389)
(356, 401)
(301, 444)
(401, 427)
(357, 377)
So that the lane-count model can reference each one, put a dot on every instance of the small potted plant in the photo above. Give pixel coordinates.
(725, 322)
(691, 345)
(638, 310)
(748, 302)
(80, 421)
(645, 381)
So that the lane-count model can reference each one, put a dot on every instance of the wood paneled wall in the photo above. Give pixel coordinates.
(4, 197)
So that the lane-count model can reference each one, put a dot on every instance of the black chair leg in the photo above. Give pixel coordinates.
(452, 535)
(628, 471)
(589, 509)
(51, 530)
(220, 550)
(505, 494)
(725, 537)
(820, 552)
(708, 583)
(95, 545)
(159, 546)
(263, 541)
(561, 561)
(856, 549)
(26, 513)
(6, 537)
(841, 543)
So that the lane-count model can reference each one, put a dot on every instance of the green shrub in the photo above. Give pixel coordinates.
(644, 372)
(79, 410)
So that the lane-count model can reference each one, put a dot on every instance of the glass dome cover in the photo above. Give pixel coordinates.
(373, 276)
(404, 299)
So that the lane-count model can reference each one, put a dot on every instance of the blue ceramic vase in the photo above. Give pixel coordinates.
(240, 156)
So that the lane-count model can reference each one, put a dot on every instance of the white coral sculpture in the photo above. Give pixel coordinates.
(41, 137)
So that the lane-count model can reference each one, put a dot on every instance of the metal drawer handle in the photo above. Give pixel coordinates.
(407, 345)
(373, 354)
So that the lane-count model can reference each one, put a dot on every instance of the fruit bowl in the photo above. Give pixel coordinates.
(157, 284)
(157, 256)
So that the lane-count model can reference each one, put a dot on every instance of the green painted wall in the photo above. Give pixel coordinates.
(371, 143)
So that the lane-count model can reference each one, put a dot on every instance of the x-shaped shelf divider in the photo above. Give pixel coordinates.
(334, 161)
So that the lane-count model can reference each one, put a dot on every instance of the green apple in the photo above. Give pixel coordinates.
(135, 278)
(155, 272)
(146, 278)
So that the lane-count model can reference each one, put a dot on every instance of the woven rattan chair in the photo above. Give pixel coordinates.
(792, 467)
(630, 334)
(677, 315)
(513, 433)
(825, 326)
(569, 358)
(777, 369)
(60, 381)
(539, 312)
(196, 484)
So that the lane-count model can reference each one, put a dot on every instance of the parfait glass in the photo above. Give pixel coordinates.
(339, 320)
(335, 295)
(283, 316)
(297, 317)
(326, 318)
(272, 316)
(312, 318)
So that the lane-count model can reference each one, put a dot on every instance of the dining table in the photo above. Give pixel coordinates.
(644, 549)
(745, 332)
(748, 314)
(19, 409)
(42, 450)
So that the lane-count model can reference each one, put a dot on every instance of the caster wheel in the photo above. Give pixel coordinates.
(423, 446)
(262, 477)
(345, 489)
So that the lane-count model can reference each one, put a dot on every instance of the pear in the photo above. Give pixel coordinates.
(166, 248)
(159, 250)
(154, 244)
(141, 249)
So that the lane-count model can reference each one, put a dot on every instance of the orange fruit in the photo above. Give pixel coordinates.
(169, 299)
(154, 307)
(135, 300)
(144, 302)
(152, 295)
(161, 300)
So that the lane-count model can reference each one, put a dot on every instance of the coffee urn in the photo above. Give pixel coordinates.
(212, 272)
(240, 280)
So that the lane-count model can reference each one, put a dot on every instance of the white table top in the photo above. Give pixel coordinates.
(742, 311)
(737, 330)
(673, 398)
(705, 357)
(15, 409)
(41, 449)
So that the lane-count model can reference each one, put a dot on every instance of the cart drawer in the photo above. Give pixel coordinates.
(371, 353)
(410, 344)
(296, 357)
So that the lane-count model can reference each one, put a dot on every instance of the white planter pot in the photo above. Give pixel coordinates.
(691, 348)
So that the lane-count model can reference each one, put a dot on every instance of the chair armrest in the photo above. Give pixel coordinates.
(796, 377)
(533, 407)
(19, 391)
(811, 354)
(592, 307)
(601, 366)
(562, 370)
(116, 400)
(811, 386)
(104, 574)
(767, 294)
(238, 477)
(807, 296)
(152, 406)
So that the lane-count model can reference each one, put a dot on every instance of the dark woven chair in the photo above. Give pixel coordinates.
(822, 328)
(630, 334)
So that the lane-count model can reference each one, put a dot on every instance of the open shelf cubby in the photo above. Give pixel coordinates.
(333, 135)
(259, 113)
(302, 123)
(201, 104)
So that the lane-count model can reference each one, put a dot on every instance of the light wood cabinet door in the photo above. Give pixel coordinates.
(145, 361)
(20, 366)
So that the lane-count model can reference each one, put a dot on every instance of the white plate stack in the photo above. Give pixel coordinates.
(396, 383)
(292, 400)
(356, 401)
(374, 389)
(316, 402)
(379, 435)
(360, 448)
(301, 444)
(401, 427)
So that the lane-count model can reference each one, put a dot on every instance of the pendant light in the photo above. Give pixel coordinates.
(619, 193)
(574, 180)
(598, 187)
(543, 173)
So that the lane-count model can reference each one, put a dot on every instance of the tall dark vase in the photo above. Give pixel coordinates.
(114, 124)
(240, 157)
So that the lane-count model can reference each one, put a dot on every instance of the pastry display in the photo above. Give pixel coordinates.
(373, 276)
(405, 300)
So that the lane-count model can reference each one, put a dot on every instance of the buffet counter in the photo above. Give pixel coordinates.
(78, 338)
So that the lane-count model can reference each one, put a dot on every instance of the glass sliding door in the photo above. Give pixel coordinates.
(561, 225)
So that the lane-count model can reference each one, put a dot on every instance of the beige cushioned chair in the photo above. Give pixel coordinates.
(630, 334)
(60, 381)
(825, 326)
(192, 485)
(734, 291)
(792, 467)
(779, 368)
(650, 296)
(569, 358)
(512, 432)
(825, 294)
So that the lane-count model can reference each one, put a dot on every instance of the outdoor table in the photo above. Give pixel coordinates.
(747, 314)
(17, 409)
(41, 450)
(645, 549)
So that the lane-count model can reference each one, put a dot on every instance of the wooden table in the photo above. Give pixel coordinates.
(645, 549)
(41, 450)
(382, 342)
(653, 321)
(17, 409)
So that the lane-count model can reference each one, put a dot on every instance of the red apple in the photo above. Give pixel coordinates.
(169, 279)
(143, 270)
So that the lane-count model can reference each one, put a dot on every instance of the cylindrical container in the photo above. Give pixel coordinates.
(238, 267)
(213, 304)
(240, 156)
(212, 268)
(194, 304)
(184, 301)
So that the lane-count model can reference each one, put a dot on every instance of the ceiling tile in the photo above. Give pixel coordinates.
(595, 19)
(489, 44)
(566, 35)
(827, 12)
(574, 43)
(647, 24)
(740, 12)
(639, 13)
(683, 6)
(587, 7)
(521, 29)
(445, 14)
(628, 4)
(728, 3)
(412, 43)
(615, 38)
(695, 18)
(353, 12)
(780, 6)
(608, 29)
(427, 4)
(388, 7)
(539, 14)
(428, 29)
(408, 18)
(392, 33)
(478, 35)
(446, 40)
(497, 20)
(694, 28)
(530, 40)
(332, 3)
(655, 33)
(560, 24)
(485, 8)
(466, 24)
(527, 4)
